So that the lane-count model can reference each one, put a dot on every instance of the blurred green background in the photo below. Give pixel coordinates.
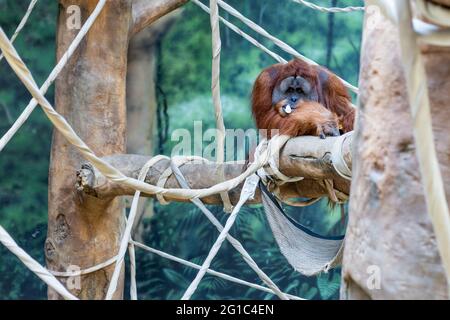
(179, 229)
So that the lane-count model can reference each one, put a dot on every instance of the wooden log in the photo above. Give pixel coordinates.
(308, 157)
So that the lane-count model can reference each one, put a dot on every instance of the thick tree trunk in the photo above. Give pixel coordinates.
(390, 238)
(90, 93)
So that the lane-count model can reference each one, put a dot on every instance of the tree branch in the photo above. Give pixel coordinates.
(145, 12)
(308, 157)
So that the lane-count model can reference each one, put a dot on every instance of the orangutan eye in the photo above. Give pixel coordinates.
(290, 90)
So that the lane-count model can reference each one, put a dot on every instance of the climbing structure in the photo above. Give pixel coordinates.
(264, 165)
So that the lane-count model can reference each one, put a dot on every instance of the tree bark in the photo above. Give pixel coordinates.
(307, 157)
(146, 12)
(389, 236)
(141, 100)
(90, 93)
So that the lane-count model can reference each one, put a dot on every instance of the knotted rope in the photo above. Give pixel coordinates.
(265, 156)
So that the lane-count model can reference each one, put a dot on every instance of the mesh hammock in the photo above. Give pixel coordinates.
(307, 252)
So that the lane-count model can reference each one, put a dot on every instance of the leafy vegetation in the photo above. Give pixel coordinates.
(179, 229)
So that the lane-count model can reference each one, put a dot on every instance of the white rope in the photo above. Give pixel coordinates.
(113, 174)
(77, 273)
(257, 44)
(431, 34)
(51, 78)
(118, 259)
(60, 123)
(107, 170)
(22, 23)
(282, 45)
(24, 74)
(176, 161)
(243, 34)
(173, 169)
(215, 87)
(329, 10)
(167, 173)
(162, 182)
(103, 166)
(247, 192)
(433, 12)
(437, 34)
(209, 271)
(34, 266)
(127, 233)
(234, 242)
(133, 285)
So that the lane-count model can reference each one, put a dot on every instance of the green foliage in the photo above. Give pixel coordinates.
(24, 161)
(179, 228)
(328, 284)
(16, 281)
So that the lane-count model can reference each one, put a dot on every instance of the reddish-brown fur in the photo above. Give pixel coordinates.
(309, 118)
